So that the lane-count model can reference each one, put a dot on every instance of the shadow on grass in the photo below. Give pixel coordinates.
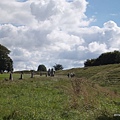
(105, 117)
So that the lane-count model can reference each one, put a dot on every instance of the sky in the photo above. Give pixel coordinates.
(66, 32)
(103, 11)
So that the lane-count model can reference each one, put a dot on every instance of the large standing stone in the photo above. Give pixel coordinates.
(11, 76)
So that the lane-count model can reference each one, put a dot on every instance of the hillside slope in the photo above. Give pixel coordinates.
(105, 75)
(105, 72)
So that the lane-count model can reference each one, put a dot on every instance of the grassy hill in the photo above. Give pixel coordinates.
(93, 94)
(106, 75)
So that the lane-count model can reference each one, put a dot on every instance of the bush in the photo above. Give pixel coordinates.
(41, 68)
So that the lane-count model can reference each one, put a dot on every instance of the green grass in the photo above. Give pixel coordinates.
(94, 94)
(30, 99)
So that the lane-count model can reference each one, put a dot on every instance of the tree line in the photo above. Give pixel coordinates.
(104, 59)
(43, 67)
(6, 63)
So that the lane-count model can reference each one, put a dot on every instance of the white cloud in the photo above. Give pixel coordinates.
(53, 31)
(17, 13)
(110, 24)
(60, 13)
(96, 47)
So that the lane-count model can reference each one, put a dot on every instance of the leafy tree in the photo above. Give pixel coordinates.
(117, 57)
(58, 67)
(6, 62)
(89, 62)
(104, 59)
(41, 68)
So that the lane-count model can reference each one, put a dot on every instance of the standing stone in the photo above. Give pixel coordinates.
(21, 75)
(10, 77)
(32, 74)
(40, 73)
(46, 74)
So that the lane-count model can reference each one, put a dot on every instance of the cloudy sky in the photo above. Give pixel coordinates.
(65, 32)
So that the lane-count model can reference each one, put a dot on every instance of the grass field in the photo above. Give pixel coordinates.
(93, 94)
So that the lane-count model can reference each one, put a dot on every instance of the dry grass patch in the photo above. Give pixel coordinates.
(87, 95)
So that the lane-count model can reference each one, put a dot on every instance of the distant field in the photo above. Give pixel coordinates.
(94, 94)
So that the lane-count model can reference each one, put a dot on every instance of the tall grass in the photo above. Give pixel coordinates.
(90, 97)
(84, 97)
(31, 99)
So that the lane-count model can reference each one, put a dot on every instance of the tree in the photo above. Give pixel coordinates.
(58, 67)
(117, 57)
(41, 68)
(89, 62)
(6, 62)
(104, 59)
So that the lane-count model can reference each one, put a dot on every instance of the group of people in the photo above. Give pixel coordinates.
(51, 72)
(70, 75)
